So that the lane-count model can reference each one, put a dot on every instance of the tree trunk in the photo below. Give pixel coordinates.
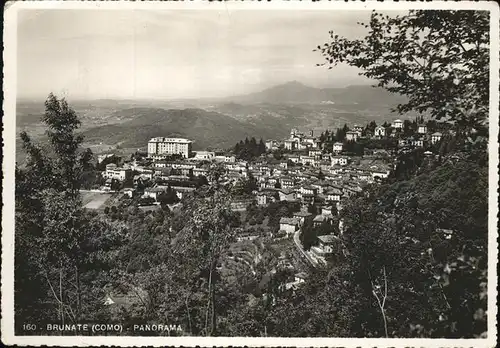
(209, 300)
(189, 315)
(78, 293)
(61, 295)
(214, 318)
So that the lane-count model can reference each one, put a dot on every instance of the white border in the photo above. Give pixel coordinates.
(9, 107)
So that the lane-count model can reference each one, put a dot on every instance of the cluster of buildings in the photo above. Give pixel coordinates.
(299, 141)
(325, 178)
(422, 137)
(309, 172)
(156, 170)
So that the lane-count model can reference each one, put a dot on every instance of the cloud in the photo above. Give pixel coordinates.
(98, 54)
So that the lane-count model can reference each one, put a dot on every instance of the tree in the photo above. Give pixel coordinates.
(321, 175)
(201, 180)
(341, 132)
(311, 208)
(439, 59)
(371, 126)
(417, 239)
(168, 197)
(115, 184)
(68, 165)
(308, 235)
(57, 241)
(199, 249)
(261, 147)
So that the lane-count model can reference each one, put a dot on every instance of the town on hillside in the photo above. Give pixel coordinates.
(287, 191)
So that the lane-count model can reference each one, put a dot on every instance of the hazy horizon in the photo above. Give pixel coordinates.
(166, 99)
(182, 54)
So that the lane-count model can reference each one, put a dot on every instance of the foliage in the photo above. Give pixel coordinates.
(56, 240)
(430, 235)
(308, 236)
(168, 197)
(249, 149)
(439, 59)
(113, 159)
(245, 186)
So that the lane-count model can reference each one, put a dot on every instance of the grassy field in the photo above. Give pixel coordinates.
(94, 200)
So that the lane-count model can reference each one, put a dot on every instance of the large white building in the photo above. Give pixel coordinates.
(169, 146)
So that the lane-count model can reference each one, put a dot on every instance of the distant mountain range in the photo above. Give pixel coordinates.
(295, 92)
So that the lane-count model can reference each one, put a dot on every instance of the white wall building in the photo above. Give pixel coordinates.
(204, 155)
(436, 137)
(114, 172)
(422, 129)
(337, 147)
(169, 146)
(352, 136)
(226, 159)
(398, 124)
(339, 160)
(380, 131)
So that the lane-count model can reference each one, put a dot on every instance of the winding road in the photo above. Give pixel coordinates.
(300, 248)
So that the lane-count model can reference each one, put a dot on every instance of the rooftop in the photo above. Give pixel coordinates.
(327, 238)
(301, 275)
(170, 140)
(302, 214)
(289, 221)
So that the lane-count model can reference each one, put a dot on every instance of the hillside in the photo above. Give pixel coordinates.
(303, 116)
(207, 129)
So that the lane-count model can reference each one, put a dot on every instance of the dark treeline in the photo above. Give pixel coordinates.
(249, 149)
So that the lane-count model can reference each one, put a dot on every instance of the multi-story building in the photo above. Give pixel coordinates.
(226, 159)
(380, 131)
(289, 225)
(398, 124)
(315, 153)
(290, 144)
(337, 147)
(308, 160)
(357, 128)
(339, 160)
(270, 144)
(114, 172)
(287, 182)
(436, 137)
(422, 129)
(169, 146)
(352, 136)
(204, 155)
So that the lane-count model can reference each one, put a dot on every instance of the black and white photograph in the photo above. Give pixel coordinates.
(243, 173)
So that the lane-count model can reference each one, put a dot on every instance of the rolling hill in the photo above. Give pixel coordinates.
(207, 129)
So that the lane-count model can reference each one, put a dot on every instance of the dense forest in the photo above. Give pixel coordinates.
(412, 261)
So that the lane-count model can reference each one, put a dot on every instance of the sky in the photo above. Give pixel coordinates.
(137, 54)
